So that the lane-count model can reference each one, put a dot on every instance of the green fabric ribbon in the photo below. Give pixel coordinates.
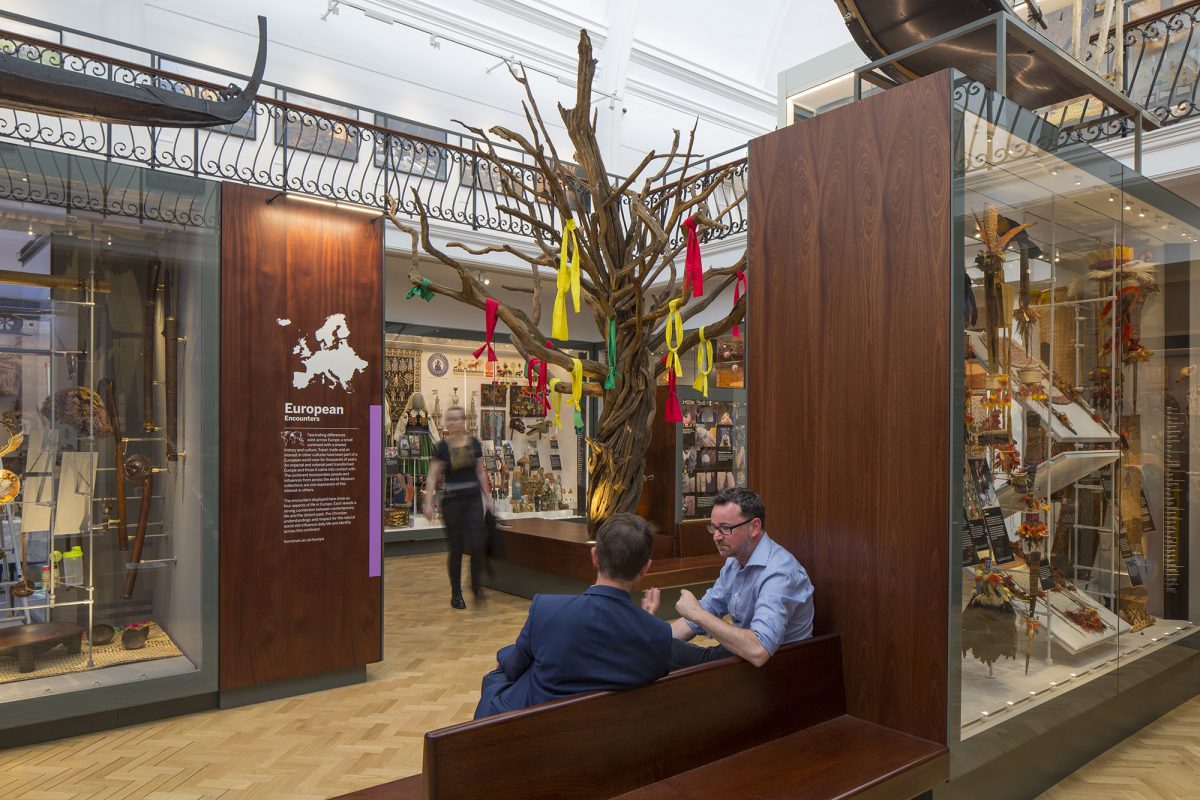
(578, 420)
(610, 382)
(423, 291)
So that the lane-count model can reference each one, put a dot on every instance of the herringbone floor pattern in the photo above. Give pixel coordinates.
(328, 743)
(303, 748)
(1159, 762)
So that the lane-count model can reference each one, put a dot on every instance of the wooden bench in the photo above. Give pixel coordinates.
(720, 730)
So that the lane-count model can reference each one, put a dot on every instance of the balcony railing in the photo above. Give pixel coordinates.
(293, 142)
(305, 144)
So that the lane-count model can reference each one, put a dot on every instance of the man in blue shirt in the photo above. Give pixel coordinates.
(579, 643)
(763, 589)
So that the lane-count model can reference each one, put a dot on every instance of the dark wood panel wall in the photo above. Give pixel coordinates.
(296, 603)
(849, 365)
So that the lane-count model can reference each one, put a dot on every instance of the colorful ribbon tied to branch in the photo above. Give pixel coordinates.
(674, 337)
(610, 380)
(543, 374)
(577, 392)
(693, 270)
(491, 308)
(739, 286)
(673, 412)
(556, 402)
(704, 363)
(568, 280)
(423, 291)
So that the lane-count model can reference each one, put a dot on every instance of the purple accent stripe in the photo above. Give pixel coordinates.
(375, 542)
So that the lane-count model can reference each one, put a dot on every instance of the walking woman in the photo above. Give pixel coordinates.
(459, 457)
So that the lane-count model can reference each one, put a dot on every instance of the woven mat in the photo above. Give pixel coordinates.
(59, 662)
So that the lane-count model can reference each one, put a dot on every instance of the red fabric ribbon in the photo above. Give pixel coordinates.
(737, 295)
(693, 270)
(543, 382)
(492, 308)
(672, 412)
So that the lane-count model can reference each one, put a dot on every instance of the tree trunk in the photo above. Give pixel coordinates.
(618, 448)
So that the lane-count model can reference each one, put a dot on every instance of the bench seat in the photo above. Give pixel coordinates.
(842, 758)
(724, 729)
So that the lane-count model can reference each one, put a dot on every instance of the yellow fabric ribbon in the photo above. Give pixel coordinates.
(568, 280)
(704, 363)
(577, 392)
(556, 402)
(674, 326)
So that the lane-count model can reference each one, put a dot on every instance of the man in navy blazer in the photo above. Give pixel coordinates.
(580, 643)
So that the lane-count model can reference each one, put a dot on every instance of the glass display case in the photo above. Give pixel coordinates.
(1080, 390)
(108, 535)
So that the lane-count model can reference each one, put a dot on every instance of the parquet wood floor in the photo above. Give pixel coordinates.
(302, 748)
(1159, 762)
(328, 743)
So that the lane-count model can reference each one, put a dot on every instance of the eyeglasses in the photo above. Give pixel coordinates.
(725, 530)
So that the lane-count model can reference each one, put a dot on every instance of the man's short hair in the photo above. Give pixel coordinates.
(749, 502)
(623, 545)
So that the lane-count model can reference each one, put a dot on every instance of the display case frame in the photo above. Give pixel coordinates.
(1095, 307)
(109, 217)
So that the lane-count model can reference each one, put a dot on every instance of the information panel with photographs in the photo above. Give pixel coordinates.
(714, 452)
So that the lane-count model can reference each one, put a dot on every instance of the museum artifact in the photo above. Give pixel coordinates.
(108, 388)
(139, 468)
(171, 366)
(79, 408)
(11, 438)
(10, 486)
(989, 630)
(148, 345)
(27, 642)
(134, 635)
(884, 27)
(49, 88)
(621, 270)
(101, 634)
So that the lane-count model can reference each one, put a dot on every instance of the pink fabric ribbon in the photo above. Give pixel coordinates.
(693, 270)
(738, 285)
(492, 308)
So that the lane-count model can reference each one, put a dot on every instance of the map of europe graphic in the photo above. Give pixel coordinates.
(334, 363)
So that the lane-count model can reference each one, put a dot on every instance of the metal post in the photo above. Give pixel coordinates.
(857, 85)
(1001, 56)
(1137, 142)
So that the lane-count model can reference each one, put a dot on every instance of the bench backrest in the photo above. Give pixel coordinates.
(601, 744)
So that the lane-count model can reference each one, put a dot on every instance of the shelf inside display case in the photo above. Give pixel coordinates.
(1063, 469)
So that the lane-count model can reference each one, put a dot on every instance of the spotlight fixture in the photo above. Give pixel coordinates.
(1112, 198)
(30, 230)
(1142, 213)
(435, 42)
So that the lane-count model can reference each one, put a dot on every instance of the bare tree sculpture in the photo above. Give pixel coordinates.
(629, 274)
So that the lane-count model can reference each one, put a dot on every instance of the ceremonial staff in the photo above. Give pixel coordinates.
(107, 390)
